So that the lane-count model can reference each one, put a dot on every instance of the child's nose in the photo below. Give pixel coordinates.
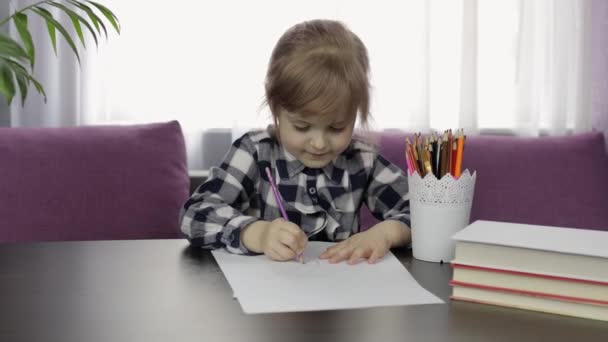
(318, 142)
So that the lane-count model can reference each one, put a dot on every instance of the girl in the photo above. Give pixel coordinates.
(316, 84)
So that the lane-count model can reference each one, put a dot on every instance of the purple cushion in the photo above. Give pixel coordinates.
(92, 182)
(559, 181)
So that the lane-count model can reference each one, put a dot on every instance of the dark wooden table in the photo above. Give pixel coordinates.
(163, 290)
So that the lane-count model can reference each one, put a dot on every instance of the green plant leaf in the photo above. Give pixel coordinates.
(94, 18)
(43, 12)
(10, 48)
(78, 29)
(38, 87)
(7, 82)
(20, 70)
(108, 14)
(73, 15)
(51, 30)
(53, 34)
(23, 83)
(26, 37)
(75, 20)
(97, 22)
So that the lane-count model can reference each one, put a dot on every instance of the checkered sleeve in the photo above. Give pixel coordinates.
(213, 217)
(387, 195)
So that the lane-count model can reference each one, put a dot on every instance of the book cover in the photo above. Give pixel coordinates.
(552, 251)
(528, 301)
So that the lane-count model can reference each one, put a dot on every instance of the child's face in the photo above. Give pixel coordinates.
(315, 140)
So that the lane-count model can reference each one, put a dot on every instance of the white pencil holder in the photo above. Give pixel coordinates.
(439, 208)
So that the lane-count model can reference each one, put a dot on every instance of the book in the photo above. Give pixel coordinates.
(549, 269)
(555, 251)
(580, 290)
(530, 302)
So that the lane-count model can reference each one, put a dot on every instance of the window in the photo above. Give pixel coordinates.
(204, 62)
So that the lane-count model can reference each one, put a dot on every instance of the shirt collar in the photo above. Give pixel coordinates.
(292, 166)
(334, 173)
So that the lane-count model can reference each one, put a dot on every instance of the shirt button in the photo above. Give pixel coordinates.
(312, 191)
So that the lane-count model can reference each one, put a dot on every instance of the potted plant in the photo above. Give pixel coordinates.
(18, 57)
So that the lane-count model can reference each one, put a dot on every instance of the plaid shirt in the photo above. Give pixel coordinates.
(320, 201)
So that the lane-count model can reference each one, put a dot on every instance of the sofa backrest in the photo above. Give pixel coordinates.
(557, 181)
(92, 182)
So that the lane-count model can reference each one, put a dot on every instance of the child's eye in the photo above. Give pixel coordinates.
(337, 129)
(301, 128)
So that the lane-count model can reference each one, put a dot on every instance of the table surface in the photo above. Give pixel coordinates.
(164, 290)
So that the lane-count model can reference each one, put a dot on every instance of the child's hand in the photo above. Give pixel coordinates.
(283, 240)
(372, 245)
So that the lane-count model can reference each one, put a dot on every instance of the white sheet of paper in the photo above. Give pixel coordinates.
(265, 286)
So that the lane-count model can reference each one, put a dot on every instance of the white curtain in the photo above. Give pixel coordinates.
(554, 76)
(512, 65)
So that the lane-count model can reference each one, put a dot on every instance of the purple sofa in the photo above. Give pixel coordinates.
(558, 181)
(92, 182)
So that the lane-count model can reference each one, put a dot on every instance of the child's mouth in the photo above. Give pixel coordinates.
(317, 155)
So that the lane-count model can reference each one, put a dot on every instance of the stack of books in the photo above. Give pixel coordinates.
(549, 269)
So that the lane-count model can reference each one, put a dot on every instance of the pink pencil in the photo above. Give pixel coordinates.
(409, 164)
(277, 196)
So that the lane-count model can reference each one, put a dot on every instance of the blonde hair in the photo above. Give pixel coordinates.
(319, 67)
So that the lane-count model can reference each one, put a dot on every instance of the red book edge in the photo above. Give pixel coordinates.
(530, 293)
(529, 274)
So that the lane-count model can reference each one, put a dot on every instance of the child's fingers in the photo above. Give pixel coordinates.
(295, 242)
(327, 253)
(373, 258)
(302, 239)
(272, 255)
(358, 254)
(292, 227)
(298, 233)
(283, 253)
(341, 254)
(302, 244)
(330, 251)
(289, 239)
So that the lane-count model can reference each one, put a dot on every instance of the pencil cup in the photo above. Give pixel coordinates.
(439, 208)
